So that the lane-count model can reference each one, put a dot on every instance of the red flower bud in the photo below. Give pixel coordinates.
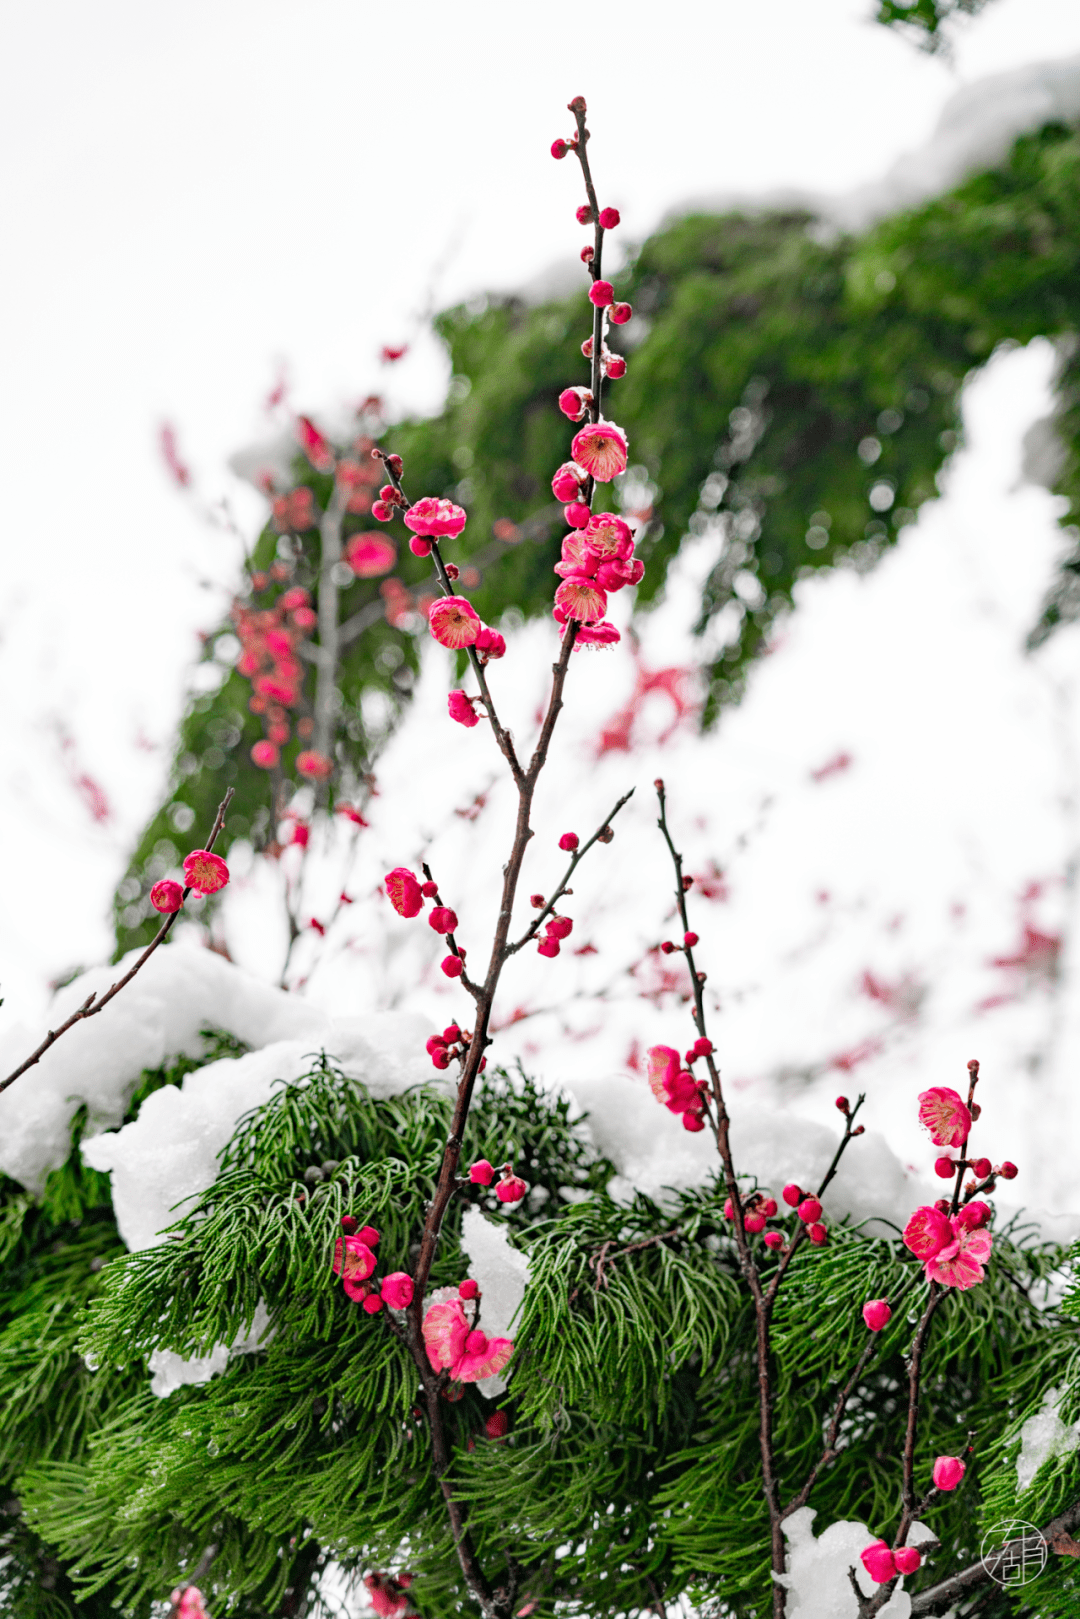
(452, 966)
(817, 1234)
(620, 314)
(981, 1168)
(615, 367)
(1008, 1172)
(440, 1057)
(667, 947)
(560, 927)
(577, 514)
(601, 294)
(609, 218)
(584, 214)
(877, 1314)
(429, 890)
(945, 1168)
(419, 545)
(468, 1289)
(769, 1207)
(729, 1211)
(548, 947)
(442, 919)
(792, 1194)
(348, 1224)
(511, 1189)
(481, 1173)
(389, 494)
(559, 149)
(577, 105)
(569, 842)
(497, 1425)
(703, 1046)
(754, 1222)
(690, 940)
(773, 1239)
(943, 1205)
(587, 254)
(843, 1104)
(373, 1304)
(907, 1559)
(435, 1043)
(381, 512)
(809, 1210)
(452, 1033)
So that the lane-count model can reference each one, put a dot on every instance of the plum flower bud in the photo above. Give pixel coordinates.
(842, 1104)
(601, 449)
(1008, 1172)
(511, 1189)
(265, 755)
(559, 149)
(497, 1425)
(348, 1224)
(907, 1559)
(587, 346)
(792, 1195)
(943, 1205)
(981, 1168)
(973, 1216)
(560, 927)
(809, 1210)
(877, 1314)
(577, 514)
(818, 1234)
(621, 313)
(754, 1222)
(609, 218)
(453, 622)
(944, 1168)
(615, 367)
(587, 254)
(577, 105)
(468, 1289)
(206, 873)
(440, 1058)
(461, 709)
(768, 1208)
(397, 1290)
(567, 482)
(702, 1046)
(584, 214)
(437, 1042)
(879, 1563)
(574, 402)
(596, 635)
(369, 1235)
(381, 512)
(482, 1173)
(773, 1239)
(368, 555)
(429, 889)
(442, 919)
(537, 901)
(167, 897)
(689, 940)
(404, 891)
(452, 966)
(569, 842)
(948, 1471)
(601, 294)
(548, 947)
(729, 1209)
(420, 546)
(372, 1304)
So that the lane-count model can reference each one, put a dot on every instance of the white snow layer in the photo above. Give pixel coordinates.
(170, 1371)
(1044, 1436)
(502, 1273)
(817, 1570)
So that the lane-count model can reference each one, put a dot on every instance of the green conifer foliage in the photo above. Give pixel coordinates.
(630, 1473)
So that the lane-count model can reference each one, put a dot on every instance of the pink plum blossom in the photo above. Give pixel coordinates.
(461, 709)
(454, 622)
(601, 449)
(206, 873)
(188, 1603)
(960, 1263)
(265, 754)
(435, 518)
(945, 1115)
(574, 402)
(581, 598)
(467, 1355)
(603, 634)
(404, 891)
(948, 1471)
(567, 482)
(927, 1232)
(490, 642)
(314, 764)
(663, 1065)
(166, 896)
(510, 1189)
(370, 555)
(609, 536)
(353, 1259)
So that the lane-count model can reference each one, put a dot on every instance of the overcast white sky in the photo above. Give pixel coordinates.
(193, 193)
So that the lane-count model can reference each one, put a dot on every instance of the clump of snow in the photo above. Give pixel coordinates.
(1044, 1436)
(159, 1015)
(502, 1273)
(653, 1152)
(170, 1371)
(817, 1570)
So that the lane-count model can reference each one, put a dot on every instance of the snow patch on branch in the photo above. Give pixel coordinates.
(817, 1570)
(1043, 1437)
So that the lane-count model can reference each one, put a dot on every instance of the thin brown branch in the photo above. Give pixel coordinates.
(575, 860)
(969, 1579)
(95, 1003)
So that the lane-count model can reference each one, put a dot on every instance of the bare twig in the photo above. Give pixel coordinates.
(95, 1003)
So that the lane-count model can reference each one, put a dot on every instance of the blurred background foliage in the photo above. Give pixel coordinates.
(791, 397)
